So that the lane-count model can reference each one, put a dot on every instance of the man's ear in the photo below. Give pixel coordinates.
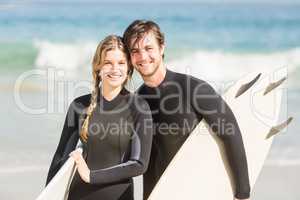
(162, 49)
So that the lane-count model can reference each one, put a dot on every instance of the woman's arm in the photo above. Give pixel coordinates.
(68, 140)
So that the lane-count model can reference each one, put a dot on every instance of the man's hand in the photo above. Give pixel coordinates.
(82, 167)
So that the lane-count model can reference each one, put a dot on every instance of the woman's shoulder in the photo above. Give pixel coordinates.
(81, 102)
(136, 102)
(83, 99)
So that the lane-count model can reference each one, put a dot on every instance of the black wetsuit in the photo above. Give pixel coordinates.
(118, 146)
(178, 104)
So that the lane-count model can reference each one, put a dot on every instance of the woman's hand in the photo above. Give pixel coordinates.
(82, 167)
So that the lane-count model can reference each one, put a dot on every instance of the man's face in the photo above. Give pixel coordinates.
(146, 54)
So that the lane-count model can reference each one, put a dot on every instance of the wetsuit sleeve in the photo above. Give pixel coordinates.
(68, 140)
(141, 142)
(222, 121)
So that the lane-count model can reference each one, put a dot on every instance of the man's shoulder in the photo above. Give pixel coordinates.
(194, 83)
(185, 78)
(141, 89)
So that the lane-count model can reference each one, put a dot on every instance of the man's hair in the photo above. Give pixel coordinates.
(138, 28)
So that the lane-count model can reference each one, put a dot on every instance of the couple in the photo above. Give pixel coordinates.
(143, 138)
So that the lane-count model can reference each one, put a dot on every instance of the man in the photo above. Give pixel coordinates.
(178, 102)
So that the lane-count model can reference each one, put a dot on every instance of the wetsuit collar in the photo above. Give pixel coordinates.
(168, 77)
(109, 105)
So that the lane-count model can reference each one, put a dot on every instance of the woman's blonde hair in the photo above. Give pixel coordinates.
(109, 43)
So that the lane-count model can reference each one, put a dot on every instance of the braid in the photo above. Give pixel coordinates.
(90, 109)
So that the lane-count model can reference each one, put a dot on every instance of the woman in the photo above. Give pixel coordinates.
(114, 126)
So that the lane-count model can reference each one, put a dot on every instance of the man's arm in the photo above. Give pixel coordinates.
(218, 115)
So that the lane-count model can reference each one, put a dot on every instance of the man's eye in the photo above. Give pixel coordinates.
(149, 48)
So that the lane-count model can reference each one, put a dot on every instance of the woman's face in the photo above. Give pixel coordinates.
(113, 71)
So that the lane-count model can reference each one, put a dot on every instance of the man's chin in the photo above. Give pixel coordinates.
(147, 73)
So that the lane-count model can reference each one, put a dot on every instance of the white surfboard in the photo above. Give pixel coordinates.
(58, 187)
(198, 170)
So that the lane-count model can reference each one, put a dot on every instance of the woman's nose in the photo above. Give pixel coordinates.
(115, 66)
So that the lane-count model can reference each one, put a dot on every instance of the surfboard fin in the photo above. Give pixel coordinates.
(274, 85)
(246, 86)
(276, 129)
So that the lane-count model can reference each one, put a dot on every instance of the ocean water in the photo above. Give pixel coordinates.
(215, 42)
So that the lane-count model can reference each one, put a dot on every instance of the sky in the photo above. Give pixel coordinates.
(155, 1)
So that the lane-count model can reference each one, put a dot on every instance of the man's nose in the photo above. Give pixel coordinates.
(142, 55)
